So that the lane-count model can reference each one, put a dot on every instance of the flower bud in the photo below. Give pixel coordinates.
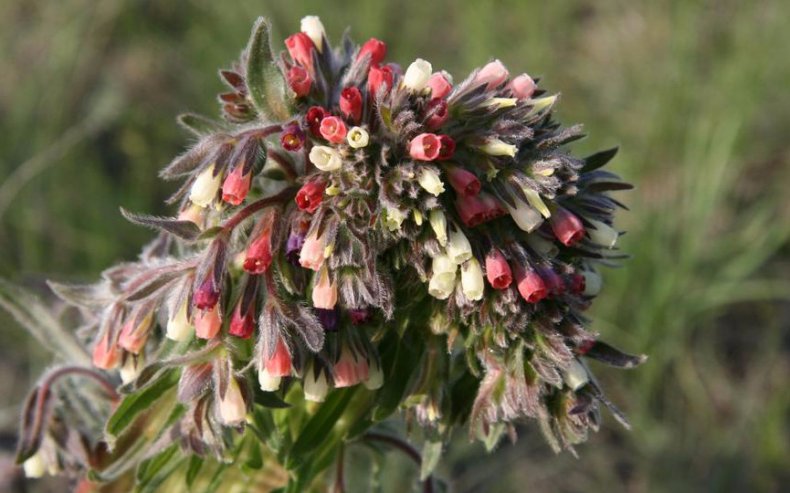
(315, 385)
(498, 270)
(440, 86)
(333, 129)
(425, 147)
(310, 196)
(602, 234)
(313, 118)
(178, 326)
(232, 408)
(566, 226)
(357, 137)
(192, 213)
(204, 188)
(379, 80)
(299, 81)
(293, 247)
(325, 158)
(542, 104)
(458, 248)
(496, 147)
(301, 47)
(592, 283)
(328, 318)
(271, 370)
(375, 376)
(376, 49)
(351, 103)
(472, 280)
(206, 295)
(236, 185)
(207, 323)
(522, 86)
(311, 25)
(493, 74)
(575, 375)
(533, 197)
(439, 225)
(530, 285)
(393, 218)
(242, 325)
(463, 182)
(105, 353)
(442, 284)
(34, 467)
(500, 103)
(292, 138)
(416, 77)
(437, 114)
(430, 181)
(350, 369)
(443, 264)
(525, 217)
(131, 368)
(134, 333)
(475, 210)
(324, 291)
(258, 257)
(312, 253)
(359, 316)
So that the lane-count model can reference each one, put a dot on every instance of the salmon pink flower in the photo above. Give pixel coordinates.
(425, 147)
(105, 353)
(299, 81)
(351, 103)
(498, 270)
(236, 185)
(493, 74)
(312, 254)
(333, 129)
(324, 291)
(258, 257)
(376, 49)
(566, 226)
(301, 48)
(134, 333)
(440, 86)
(530, 285)
(437, 114)
(350, 369)
(207, 323)
(522, 86)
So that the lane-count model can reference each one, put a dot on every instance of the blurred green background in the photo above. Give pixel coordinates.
(694, 92)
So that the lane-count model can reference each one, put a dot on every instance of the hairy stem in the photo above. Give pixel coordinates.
(406, 448)
(256, 206)
(340, 486)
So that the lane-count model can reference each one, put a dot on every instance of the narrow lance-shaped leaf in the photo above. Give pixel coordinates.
(199, 125)
(186, 230)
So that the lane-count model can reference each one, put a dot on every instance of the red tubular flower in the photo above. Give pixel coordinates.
(440, 86)
(236, 185)
(447, 148)
(530, 285)
(425, 147)
(206, 295)
(333, 129)
(498, 270)
(259, 253)
(351, 103)
(105, 353)
(493, 208)
(576, 283)
(242, 325)
(301, 48)
(566, 226)
(378, 78)
(309, 197)
(437, 114)
(463, 182)
(292, 137)
(313, 119)
(207, 323)
(299, 80)
(471, 209)
(279, 364)
(376, 49)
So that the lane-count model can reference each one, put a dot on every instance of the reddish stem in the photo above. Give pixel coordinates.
(256, 206)
(406, 448)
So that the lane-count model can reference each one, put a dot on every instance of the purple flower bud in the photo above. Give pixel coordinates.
(294, 247)
(207, 295)
(359, 315)
(328, 318)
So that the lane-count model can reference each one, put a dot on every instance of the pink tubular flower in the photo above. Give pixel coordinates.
(447, 148)
(376, 49)
(425, 147)
(437, 114)
(492, 74)
(242, 325)
(134, 333)
(312, 254)
(463, 182)
(522, 86)
(566, 226)
(333, 129)
(478, 209)
(324, 291)
(378, 78)
(350, 369)
(279, 364)
(313, 119)
(440, 86)
(351, 103)
(498, 270)
(206, 295)
(207, 323)
(236, 185)
(292, 137)
(299, 81)
(530, 285)
(301, 48)
(259, 254)
(105, 353)
(310, 196)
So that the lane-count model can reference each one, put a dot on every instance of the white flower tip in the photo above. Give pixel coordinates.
(575, 376)
(417, 75)
(314, 28)
(268, 382)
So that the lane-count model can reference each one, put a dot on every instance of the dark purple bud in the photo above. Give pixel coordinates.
(206, 296)
(359, 315)
(328, 318)
(294, 247)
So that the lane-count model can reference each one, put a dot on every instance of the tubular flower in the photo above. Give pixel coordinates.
(324, 291)
(438, 223)
(375, 49)
(242, 325)
(522, 86)
(292, 138)
(236, 185)
(312, 253)
(178, 326)
(417, 75)
(530, 285)
(379, 80)
(310, 196)
(313, 118)
(492, 75)
(496, 147)
(333, 129)
(525, 217)
(313, 27)
(259, 254)
(350, 369)
(440, 86)
(299, 81)
(232, 408)
(498, 270)
(315, 385)
(351, 103)
(205, 187)
(431, 182)
(472, 279)
(358, 137)
(325, 158)
(463, 182)
(301, 48)
(602, 234)
(273, 368)
(458, 247)
(207, 322)
(425, 147)
(566, 226)
(105, 353)
(437, 114)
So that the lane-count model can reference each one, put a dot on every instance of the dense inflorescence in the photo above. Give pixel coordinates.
(352, 223)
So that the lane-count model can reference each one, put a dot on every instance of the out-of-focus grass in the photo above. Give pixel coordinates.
(695, 93)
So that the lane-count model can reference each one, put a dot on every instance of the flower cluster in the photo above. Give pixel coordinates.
(351, 222)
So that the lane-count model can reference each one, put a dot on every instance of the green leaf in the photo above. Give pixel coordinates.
(271, 400)
(148, 472)
(399, 364)
(36, 318)
(134, 404)
(195, 465)
(199, 124)
(265, 82)
(431, 453)
(320, 425)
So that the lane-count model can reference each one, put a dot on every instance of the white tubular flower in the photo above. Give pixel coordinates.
(542, 104)
(132, 367)
(441, 285)
(178, 326)
(439, 225)
(232, 408)
(312, 26)
(496, 147)
(315, 387)
(267, 381)
(417, 75)
(543, 246)
(443, 264)
(602, 234)
(536, 201)
(393, 218)
(592, 283)
(34, 466)
(458, 248)
(472, 279)
(204, 188)
(526, 218)
(325, 158)
(431, 182)
(375, 376)
(358, 137)
(575, 376)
